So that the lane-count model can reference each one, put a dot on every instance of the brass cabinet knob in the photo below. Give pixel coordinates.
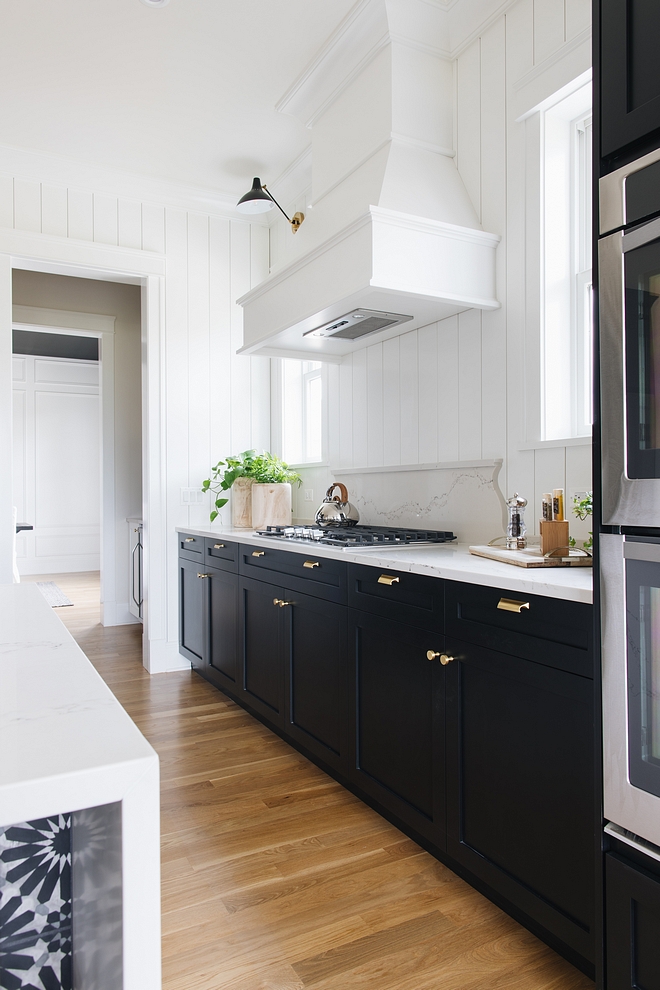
(218, 546)
(388, 579)
(431, 654)
(203, 575)
(281, 602)
(444, 659)
(311, 563)
(511, 605)
(258, 553)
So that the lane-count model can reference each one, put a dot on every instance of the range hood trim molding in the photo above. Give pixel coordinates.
(392, 217)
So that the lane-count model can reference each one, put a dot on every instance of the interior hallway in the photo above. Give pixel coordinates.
(274, 876)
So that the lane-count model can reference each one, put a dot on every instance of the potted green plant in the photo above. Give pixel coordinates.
(583, 505)
(260, 486)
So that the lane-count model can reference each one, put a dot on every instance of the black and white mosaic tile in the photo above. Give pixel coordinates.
(35, 905)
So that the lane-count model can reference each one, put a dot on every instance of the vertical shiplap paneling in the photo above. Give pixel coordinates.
(105, 219)
(428, 389)
(6, 201)
(549, 473)
(259, 366)
(333, 414)
(153, 228)
(409, 386)
(549, 28)
(54, 210)
(530, 339)
(27, 205)
(448, 389)
(468, 151)
(469, 385)
(360, 409)
(374, 405)
(199, 365)
(130, 223)
(391, 402)
(578, 17)
(80, 213)
(578, 479)
(519, 21)
(345, 420)
(493, 218)
(176, 368)
(220, 339)
(241, 424)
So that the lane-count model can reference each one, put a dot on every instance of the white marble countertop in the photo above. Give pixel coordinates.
(452, 561)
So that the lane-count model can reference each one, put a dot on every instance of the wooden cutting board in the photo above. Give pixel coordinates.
(531, 557)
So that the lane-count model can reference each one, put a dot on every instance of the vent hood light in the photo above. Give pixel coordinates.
(358, 324)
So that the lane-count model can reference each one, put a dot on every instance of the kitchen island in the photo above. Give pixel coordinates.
(74, 762)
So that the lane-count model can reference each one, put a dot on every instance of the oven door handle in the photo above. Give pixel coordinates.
(643, 235)
(641, 551)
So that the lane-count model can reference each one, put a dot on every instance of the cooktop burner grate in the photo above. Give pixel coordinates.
(362, 537)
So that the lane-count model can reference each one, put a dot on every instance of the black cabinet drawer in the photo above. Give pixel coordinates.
(220, 553)
(397, 595)
(547, 630)
(306, 573)
(632, 922)
(191, 547)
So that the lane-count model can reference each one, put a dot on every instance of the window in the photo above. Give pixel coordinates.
(567, 283)
(301, 387)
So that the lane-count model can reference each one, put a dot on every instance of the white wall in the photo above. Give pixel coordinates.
(212, 402)
(467, 388)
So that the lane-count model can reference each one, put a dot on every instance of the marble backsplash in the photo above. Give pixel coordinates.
(464, 499)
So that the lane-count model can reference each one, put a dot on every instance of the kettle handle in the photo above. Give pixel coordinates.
(343, 492)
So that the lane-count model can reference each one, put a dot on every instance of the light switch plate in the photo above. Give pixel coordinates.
(309, 494)
(192, 496)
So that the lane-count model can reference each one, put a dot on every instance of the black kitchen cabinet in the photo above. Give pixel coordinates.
(632, 925)
(261, 638)
(191, 610)
(629, 78)
(396, 704)
(316, 679)
(520, 788)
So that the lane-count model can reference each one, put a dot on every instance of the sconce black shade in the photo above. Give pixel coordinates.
(256, 200)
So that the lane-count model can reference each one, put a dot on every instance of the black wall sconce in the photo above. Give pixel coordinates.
(259, 200)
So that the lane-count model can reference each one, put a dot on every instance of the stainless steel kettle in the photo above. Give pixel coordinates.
(336, 510)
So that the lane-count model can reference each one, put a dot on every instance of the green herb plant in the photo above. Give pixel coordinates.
(583, 507)
(262, 469)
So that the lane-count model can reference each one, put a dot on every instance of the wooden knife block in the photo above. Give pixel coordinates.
(553, 535)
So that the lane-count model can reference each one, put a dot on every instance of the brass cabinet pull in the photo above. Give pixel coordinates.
(511, 605)
(444, 659)
(431, 654)
(388, 579)
(203, 575)
(258, 553)
(281, 602)
(311, 563)
(188, 539)
(218, 546)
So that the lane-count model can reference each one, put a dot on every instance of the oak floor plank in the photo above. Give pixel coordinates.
(276, 878)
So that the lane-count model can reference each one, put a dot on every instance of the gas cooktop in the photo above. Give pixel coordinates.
(358, 537)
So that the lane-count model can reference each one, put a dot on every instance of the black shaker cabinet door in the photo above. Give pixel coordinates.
(632, 925)
(397, 720)
(222, 627)
(520, 786)
(192, 611)
(316, 677)
(629, 77)
(260, 631)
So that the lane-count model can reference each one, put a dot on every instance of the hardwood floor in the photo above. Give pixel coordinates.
(274, 876)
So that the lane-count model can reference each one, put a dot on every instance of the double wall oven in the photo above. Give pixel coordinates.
(629, 295)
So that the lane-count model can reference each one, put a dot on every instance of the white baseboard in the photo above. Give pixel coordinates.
(161, 656)
(117, 614)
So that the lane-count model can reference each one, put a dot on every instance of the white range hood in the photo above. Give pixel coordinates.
(392, 229)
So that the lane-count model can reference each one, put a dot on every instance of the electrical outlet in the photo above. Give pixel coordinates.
(309, 494)
(192, 496)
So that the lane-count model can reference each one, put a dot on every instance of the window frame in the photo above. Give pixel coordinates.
(277, 410)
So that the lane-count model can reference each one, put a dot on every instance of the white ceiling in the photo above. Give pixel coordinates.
(185, 92)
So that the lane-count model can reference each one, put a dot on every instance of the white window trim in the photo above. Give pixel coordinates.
(277, 418)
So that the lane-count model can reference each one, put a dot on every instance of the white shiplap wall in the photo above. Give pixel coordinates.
(216, 402)
(461, 389)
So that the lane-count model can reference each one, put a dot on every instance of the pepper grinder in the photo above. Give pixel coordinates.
(516, 538)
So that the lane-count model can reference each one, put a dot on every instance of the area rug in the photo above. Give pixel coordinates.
(53, 595)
